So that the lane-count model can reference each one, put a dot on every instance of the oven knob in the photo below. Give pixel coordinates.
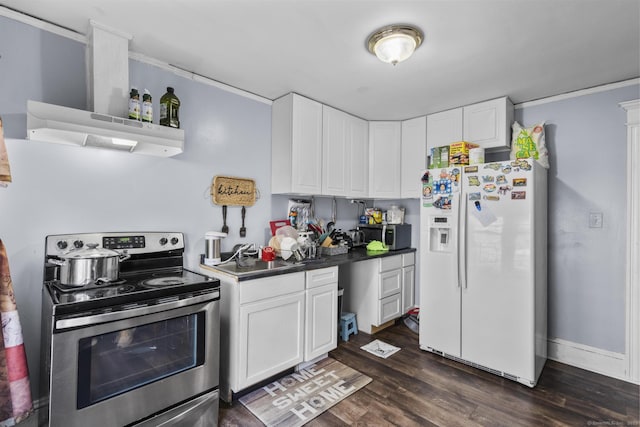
(174, 240)
(163, 241)
(78, 244)
(62, 244)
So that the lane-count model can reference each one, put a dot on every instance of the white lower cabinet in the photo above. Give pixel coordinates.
(373, 291)
(262, 328)
(271, 337)
(321, 314)
(408, 281)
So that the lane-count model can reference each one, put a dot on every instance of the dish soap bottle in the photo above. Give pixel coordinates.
(169, 106)
(134, 104)
(147, 107)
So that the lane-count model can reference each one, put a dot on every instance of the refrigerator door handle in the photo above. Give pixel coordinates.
(462, 242)
(456, 249)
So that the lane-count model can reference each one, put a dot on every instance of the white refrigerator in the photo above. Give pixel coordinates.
(483, 253)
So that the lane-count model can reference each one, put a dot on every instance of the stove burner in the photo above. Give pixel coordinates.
(163, 281)
(95, 293)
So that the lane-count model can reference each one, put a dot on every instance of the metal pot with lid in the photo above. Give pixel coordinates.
(86, 266)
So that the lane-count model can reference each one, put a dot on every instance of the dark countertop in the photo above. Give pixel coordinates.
(354, 255)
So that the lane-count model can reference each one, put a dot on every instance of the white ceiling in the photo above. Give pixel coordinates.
(473, 50)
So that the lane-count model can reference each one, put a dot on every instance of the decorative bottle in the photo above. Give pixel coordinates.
(169, 106)
(134, 104)
(147, 107)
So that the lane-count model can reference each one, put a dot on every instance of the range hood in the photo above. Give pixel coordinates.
(62, 125)
(104, 127)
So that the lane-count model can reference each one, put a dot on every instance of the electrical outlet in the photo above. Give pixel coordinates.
(595, 219)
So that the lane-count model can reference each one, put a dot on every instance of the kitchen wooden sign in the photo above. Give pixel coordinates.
(232, 191)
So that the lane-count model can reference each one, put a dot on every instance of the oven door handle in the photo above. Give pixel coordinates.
(76, 322)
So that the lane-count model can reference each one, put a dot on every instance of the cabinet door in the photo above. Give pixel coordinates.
(358, 158)
(390, 283)
(384, 155)
(444, 128)
(413, 156)
(488, 123)
(321, 320)
(389, 308)
(271, 337)
(335, 149)
(408, 288)
(306, 147)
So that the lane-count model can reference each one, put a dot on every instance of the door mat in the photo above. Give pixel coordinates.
(380, 349)
(297, 398)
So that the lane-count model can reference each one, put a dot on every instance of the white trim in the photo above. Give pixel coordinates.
(43, 25)
(196, 77)
(46, 26)
(592, 359)
(632, 283)
(577, 93)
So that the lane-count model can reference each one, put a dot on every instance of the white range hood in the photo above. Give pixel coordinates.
(105, 127)
(62, 125)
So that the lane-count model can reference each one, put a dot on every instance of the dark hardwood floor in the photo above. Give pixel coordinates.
(417, 388)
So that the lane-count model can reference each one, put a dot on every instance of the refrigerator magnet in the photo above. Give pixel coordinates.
(471, 169)
(518, 195)
(501, 179)
(442, 186)
(488, 178)
(504, 189)
(474, 196)
(489, 188)
(506, 169)
(521, 164)
(443, 202)
(473, 181)
(493, 166)
(519, 182)
(491, 197)
(427, 191)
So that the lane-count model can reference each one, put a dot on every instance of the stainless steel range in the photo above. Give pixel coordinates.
(139, 348)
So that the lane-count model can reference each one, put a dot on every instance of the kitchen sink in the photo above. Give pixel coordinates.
(254, 266)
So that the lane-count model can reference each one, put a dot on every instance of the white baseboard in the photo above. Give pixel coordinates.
(592, 359)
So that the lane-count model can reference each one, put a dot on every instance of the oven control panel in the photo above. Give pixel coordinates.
(123, 242)
(133, 243)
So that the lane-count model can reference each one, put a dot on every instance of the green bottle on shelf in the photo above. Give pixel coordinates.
(169, 106)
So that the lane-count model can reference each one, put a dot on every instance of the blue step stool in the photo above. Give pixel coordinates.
(348, 325)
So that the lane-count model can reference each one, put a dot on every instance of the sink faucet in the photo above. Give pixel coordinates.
(243, 256)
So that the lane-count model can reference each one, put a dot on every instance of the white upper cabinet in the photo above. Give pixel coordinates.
(345, 159)
(444, 128)
(358, 158)
(488, 123)
(335, 151)
(413, 156)
(296, 145)
(384, 159)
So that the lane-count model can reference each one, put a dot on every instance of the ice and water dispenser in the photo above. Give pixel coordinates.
(440, 231)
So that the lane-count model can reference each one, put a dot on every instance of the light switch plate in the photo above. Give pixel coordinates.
(595, 219)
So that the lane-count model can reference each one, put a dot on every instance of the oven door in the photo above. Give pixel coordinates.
(111, 370)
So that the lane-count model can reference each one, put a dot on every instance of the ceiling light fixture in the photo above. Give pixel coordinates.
(394, 43)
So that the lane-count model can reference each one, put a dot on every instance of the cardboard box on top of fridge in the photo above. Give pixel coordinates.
(439, 157)
(459, 152)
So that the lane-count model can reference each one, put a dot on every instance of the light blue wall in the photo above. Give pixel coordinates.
(65, 189)
(587, 142)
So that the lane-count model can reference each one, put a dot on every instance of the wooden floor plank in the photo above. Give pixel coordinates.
(418, 388)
